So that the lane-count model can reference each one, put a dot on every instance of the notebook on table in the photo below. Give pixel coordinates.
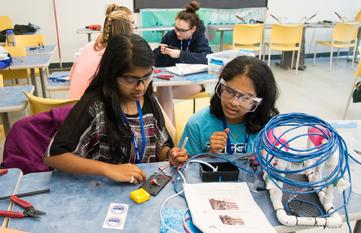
(182, 69)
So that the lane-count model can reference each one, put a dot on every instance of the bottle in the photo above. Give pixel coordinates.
(10, 38)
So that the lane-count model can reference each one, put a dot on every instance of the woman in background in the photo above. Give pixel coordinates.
(118, 19)
(187, 43)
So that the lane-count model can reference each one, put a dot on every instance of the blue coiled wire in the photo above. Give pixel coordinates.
(267, 152)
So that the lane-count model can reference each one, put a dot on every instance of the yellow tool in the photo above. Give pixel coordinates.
(139, 196)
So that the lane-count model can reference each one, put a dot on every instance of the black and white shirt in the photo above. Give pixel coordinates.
(84, 132)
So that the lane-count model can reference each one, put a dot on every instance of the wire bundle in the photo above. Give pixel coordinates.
(280, 149)
(278, 158)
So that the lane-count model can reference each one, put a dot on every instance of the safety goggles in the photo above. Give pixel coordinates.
(133, 81)
(245, 101)
(181, 29)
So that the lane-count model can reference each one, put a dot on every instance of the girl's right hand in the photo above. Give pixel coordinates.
(124, 173)
(163, 48)
(218, 141)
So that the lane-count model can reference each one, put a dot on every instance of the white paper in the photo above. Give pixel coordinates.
(226, 208)
(186, 69)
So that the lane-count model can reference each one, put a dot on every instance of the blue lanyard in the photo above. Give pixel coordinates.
(181, 44)
(230, 150)
(139, 155)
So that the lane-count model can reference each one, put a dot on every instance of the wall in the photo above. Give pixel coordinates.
(75, 14)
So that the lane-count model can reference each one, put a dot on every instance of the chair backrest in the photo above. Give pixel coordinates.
(345, 32)
(1, 126)
(358, 17)
(16, 51)
(5, 23)
(1, 81)
(38, 104)
(29, 138)
(286, 34)
(247, 34)
(30, 40)
(183, 111)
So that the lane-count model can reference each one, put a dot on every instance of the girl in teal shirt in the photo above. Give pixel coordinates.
(244, 101)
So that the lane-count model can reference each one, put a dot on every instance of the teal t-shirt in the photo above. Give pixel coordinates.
(203, 124)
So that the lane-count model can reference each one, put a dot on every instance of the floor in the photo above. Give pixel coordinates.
(316, 91)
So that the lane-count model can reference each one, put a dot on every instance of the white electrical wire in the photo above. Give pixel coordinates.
(161, 215)
(214, 169)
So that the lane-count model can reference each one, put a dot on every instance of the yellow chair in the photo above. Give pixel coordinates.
(286, 37)
(198, 98)
(358, 17)
(248, 37)
(182, 112)
(5, 23)
(38, 104)
(357, 75)
(16, 74)
(344, 36)
(2, 132)
(30, 40)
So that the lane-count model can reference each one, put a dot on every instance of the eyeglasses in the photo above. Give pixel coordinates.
(133, 81)
(181, 30)
(245, 101)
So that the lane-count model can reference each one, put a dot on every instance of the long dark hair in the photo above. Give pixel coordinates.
(265, 85)
(123, 52)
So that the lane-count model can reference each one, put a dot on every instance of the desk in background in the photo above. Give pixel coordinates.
(12, 99)
(161, 29)
(89, 32)
(229, 27)
(32, 62)
(192, 79)
(46, 49)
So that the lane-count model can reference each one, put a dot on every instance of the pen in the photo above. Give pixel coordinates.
(277, 19)
(164, 76)
(182, 147)
(339, 16)
(184, 143)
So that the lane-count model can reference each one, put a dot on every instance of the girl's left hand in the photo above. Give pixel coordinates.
(177, 156)
(174, 53)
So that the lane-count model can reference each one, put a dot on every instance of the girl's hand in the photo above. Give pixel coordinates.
(125, 173)
(163, 48)
(218, 141)
(174, 53)
(177, 156)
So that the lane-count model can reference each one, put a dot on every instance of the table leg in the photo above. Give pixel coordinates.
(357, 44)
(357, 228)
(43, 79)
(6, 122)
(89, 37)
(221, 41)
(312, 39)
(33, 81)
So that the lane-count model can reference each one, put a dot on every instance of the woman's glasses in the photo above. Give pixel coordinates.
(133, 81)
(181, 29)
(245, 101)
